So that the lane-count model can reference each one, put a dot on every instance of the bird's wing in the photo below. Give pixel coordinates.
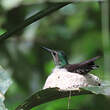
(83, 67)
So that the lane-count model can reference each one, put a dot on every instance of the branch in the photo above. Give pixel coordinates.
(54, 7)
(47, 95)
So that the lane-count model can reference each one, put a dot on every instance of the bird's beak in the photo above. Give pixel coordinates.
(49, 50)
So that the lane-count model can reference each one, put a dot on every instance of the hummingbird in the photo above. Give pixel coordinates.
(71, 76)
(60, 60)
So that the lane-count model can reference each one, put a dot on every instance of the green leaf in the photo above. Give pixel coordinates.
(104, 89)
(44, 12)
(47, 95)
(5, 82)
(51, 94)
(2, 31)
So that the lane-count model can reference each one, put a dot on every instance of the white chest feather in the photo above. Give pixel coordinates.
(65, 80)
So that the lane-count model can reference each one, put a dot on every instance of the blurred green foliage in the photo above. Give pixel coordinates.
(76, 29)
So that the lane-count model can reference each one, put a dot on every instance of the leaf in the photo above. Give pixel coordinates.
(5, 82)
(47, 95)
(50, 94)
(54, 1)
(46, 11)
(104, 89)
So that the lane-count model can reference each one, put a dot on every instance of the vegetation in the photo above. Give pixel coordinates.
(76, 28)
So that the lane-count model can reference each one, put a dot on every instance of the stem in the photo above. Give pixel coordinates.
(54, 7)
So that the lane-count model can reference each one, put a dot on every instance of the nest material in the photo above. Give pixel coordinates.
(65, 80)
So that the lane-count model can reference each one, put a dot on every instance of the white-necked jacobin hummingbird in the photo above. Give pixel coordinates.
(70, 76)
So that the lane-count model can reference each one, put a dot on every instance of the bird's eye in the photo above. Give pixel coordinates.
(54, 53)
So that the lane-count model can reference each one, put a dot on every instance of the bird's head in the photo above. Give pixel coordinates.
(59, 57)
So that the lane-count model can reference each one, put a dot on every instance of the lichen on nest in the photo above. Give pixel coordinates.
(65, 80)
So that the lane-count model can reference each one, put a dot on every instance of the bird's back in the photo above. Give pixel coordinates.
(83, 67)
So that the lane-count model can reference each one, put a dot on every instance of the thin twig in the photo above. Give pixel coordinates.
(69, 98)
